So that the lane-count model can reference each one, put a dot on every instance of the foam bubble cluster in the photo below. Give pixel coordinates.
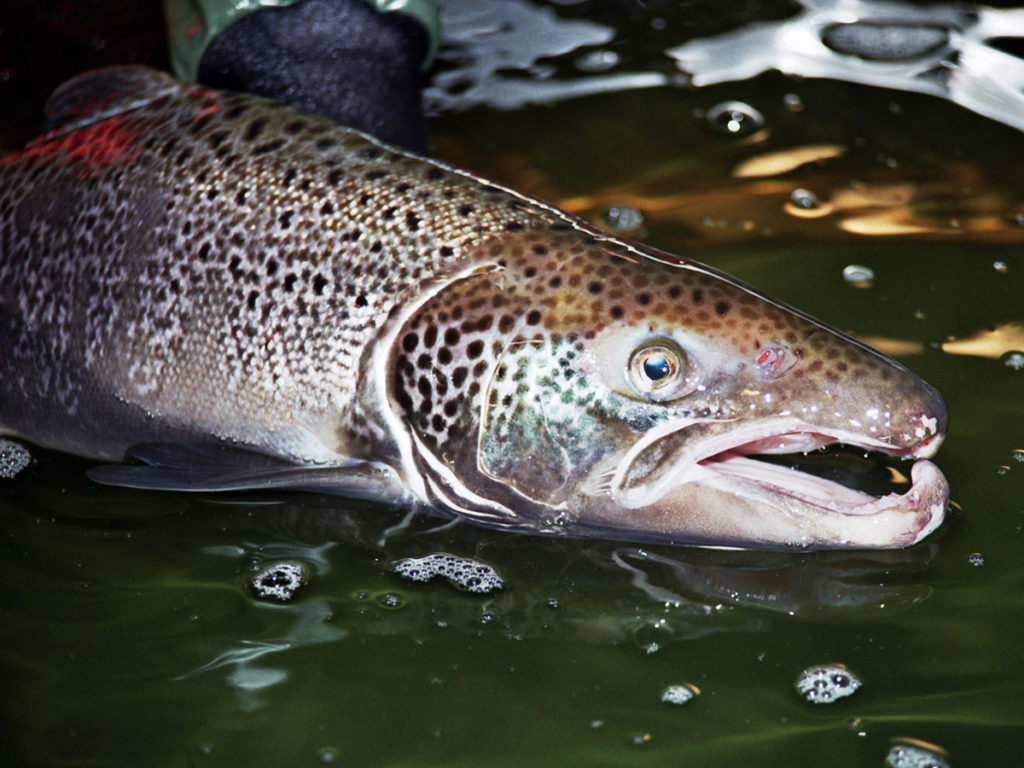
(279, 582)
(911, 753)
(464, 573)
(826, 683)
(14, 457)
(679, 694)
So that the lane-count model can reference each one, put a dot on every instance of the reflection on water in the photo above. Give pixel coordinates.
(942, 50)
(131, 636)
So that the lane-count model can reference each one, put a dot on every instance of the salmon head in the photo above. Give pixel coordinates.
(573, 382)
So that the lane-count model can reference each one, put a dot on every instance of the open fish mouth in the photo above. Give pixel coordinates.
(768, 491)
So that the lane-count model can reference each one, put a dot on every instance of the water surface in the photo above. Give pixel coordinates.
(129, 635)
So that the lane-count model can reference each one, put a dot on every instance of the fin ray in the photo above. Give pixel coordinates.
(99, 93)
(217, 467)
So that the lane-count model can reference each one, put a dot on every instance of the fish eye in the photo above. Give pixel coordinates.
(655, 370)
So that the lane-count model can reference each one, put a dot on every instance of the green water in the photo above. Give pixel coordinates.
(128, 636)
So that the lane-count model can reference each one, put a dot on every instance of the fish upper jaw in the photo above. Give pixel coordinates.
(778, 506)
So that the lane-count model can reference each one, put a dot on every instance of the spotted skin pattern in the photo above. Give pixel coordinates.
(179, 265)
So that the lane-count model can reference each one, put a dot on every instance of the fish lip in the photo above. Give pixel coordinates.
(719, 461)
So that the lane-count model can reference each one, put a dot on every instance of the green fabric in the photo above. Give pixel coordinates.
(192, 24)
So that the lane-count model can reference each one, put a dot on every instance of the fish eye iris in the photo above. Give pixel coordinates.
(657, 366)
(655, 370)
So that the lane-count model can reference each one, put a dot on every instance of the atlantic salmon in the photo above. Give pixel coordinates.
(228, 294)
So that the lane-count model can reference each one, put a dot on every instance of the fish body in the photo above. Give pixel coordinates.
(241, 295)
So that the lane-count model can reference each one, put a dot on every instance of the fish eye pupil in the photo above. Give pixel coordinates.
(656, 366)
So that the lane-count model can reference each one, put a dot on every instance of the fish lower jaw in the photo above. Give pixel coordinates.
(776, 506)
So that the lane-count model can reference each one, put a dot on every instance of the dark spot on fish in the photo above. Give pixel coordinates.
(465, 210)
(437, 422)
(555, 281)
(271, 267)
(285, 219)
(424, 361)
(451, 408)
(374, 175)
(617, 312)
(289, 177)
(533, 317)
(430, 335)
(294, 127)
(254, 129)
(451, 337)
(412, 221)
(319, 283)
(335, 177)
(644, 298)
(218, 138)
(235, 111)
(721, 307)
(530, 272)
(327, 208)
(434, 174)
(540, 250)
(365, 198)
(270, 146)
(841, 366)
(506, 323)
(484, 323)
(595, 287)
(459, 375)
(698, 296)
(389, 213)
(410, 341)
(513, 226)
(475, 349)
(361, 300)
(447, 251)
(370, 154)
(479, 369)
(674, 291)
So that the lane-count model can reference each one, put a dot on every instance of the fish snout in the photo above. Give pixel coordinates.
(927, 422)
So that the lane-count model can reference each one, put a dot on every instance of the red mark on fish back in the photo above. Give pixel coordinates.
(92, 148)
(208, 102)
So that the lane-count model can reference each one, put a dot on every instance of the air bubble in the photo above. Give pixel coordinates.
(976, 559)
(1001, 267)
(679, 694)
(279, 582)
(1013, 360)
(390, 600)
(622, 218)
(825, 683)
(914, 753)
(734, 118)
(468, 575)
(803, 199)
(858, 275)
(793, 103)
(597, 61)
(14, 457)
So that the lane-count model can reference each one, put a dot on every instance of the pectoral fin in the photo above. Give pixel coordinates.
(218, 467)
